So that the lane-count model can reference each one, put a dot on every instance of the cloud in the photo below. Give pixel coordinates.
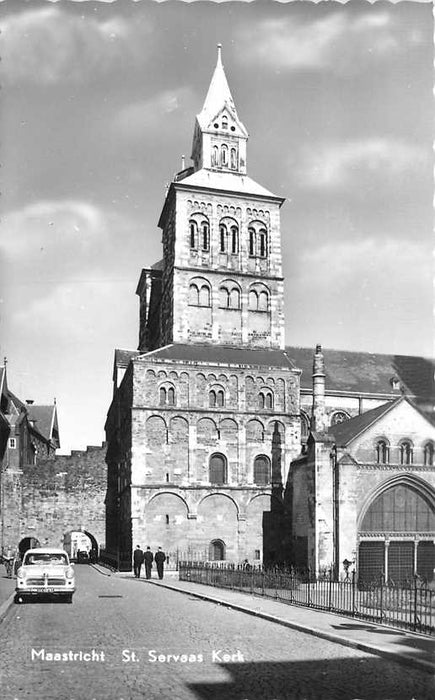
(336, 165)
(49, 45)
(339, 41)
(138, 118)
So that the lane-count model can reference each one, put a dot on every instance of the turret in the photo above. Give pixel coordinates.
(219, 140)
(318, 416)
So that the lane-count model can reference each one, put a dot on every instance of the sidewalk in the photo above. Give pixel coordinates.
(403, 647)
(7, 589)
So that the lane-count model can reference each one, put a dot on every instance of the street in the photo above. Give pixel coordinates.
(124, 638)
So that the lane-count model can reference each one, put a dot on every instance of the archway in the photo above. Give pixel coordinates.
(217, 550)
(81, 545)
(27, 543)
(397, 533)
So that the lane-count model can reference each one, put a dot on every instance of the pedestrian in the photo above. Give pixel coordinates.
(148, 558)
(137, 560)
(160, 559)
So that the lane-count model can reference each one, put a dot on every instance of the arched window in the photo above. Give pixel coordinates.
(193, 228)
(262, 470)
(218, 469)
(262, 244)
(212, 398)
(382, 452)
(428, 454)
(224, 155)
(171, 396)
(234, 240)
(224, 298)
(205, 236)
(215, 155)
(220, 398)
(217, 551)
(265, 400)
(251, 232)
(224, 122)
(406, 452)
(222, 238)
(339, 417)
(263, 301)
(234, 301)
(233, 157)
(253, 301)
(167, 396)
(193, 295)
(162, 395)
(204, 296)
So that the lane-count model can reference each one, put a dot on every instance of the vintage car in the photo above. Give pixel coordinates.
(45, 571)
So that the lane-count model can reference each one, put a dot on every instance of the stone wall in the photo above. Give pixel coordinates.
(55, 496)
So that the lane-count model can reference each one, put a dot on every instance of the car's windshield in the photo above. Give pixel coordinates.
(47, 558)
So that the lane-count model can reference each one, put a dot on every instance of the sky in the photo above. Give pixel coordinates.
(99, 102)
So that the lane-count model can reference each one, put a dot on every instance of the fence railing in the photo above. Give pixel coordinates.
(409, 606)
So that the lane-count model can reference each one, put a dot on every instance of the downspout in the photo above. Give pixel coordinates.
(336, 511)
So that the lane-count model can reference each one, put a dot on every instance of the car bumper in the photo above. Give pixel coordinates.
(44, 590)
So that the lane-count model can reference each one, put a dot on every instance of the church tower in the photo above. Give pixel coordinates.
(221, 244)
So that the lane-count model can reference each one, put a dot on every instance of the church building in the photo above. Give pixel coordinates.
(209, 412)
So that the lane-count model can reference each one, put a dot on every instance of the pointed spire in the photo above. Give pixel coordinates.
(218, 94)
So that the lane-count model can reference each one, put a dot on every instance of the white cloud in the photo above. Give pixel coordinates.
(339, 41)
(49, 45)
(140, 117)
(336, 165)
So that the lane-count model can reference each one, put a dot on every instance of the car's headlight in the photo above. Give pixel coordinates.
(69, 573)
(21, 573)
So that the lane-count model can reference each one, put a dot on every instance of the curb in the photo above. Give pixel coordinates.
(419, 664)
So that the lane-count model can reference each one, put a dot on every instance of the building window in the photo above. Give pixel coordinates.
(262, 244)
(167, 519)
(262, 470)
(382, 452)
(257, 240)
(218, 470)
(265, 400)
(199, 294)
(428, 454)
(233, 157)
(406, 452)
(224, 155)
(216, 398)
(12, 443)
(257, 554)
(222, 238)
(229, 297)
(193, 228)
(339, 417)
(205, 236)
(251, 232)
(234, 240)
(215, 155)
(305, 425)
(224, 122)
(167, 396)
(259, 299)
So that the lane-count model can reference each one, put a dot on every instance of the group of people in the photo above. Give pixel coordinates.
(140, 557)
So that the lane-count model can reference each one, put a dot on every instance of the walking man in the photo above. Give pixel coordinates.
(148, 558)
(160, 559)
(137, 560)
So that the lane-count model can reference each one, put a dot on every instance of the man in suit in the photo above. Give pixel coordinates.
(148, 559)
(137, 560)
(160, 559)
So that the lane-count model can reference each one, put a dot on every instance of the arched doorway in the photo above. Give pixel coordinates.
(27, 543)
(80, 545)
(397, 533)
(217, 550)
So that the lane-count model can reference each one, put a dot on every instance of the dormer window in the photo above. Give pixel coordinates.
(224, 122)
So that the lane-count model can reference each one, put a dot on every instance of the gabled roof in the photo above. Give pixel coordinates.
(43, 419)
(347, 431)
(368, 373)
(219, 354)
(233, 182)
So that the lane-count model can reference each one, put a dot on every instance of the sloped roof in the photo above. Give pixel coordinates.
(344, 432)
(218, 96)
(43, 419)
(219, 354)
(123, 357)
(233, 182)
(365, 372)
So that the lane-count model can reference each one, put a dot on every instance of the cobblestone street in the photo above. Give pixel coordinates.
(123, 638)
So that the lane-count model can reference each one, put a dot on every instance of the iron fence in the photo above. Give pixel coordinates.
(409, 606)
